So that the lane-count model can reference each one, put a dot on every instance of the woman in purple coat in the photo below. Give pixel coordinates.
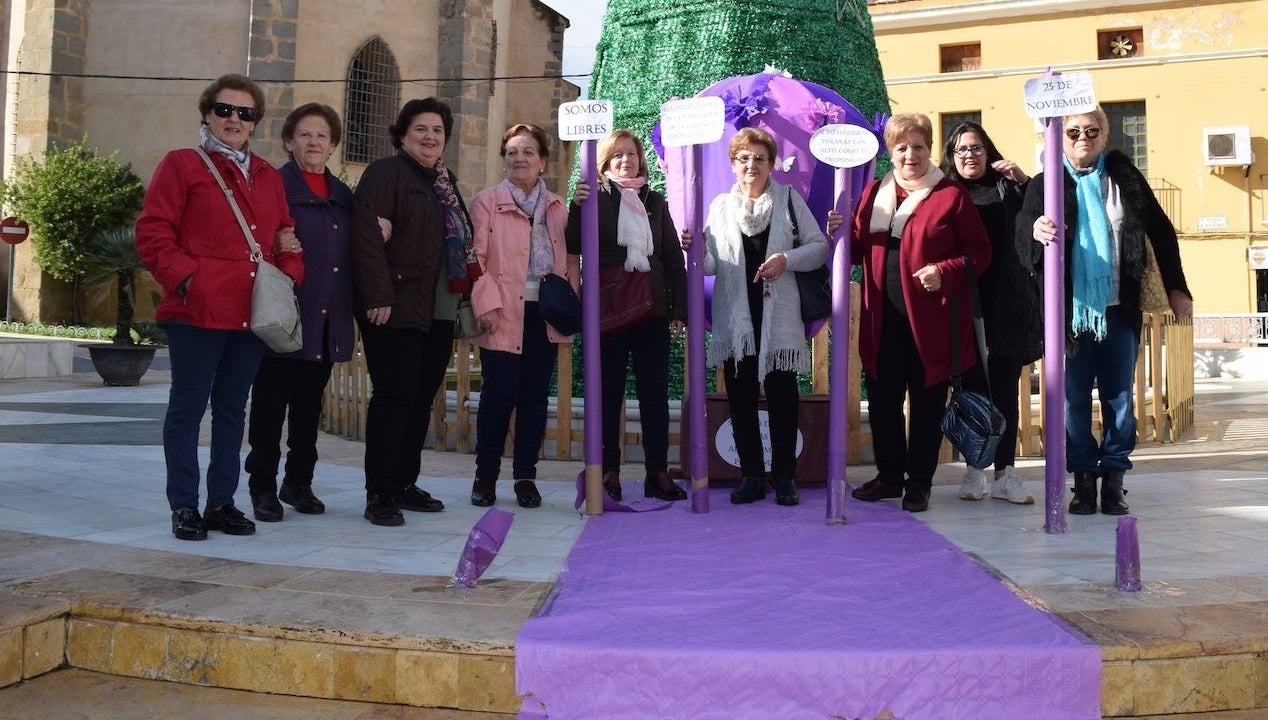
(294, 383)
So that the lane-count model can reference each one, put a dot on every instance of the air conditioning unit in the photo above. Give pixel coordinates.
(1229, 145)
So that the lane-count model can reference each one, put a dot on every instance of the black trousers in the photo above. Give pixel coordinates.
(407, 367)
(282, 385)
(742, 394)
(1005, 373)
(902, 452)
(647, 345)
(519, 383)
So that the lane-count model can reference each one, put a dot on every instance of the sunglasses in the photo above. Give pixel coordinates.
(1090, 133)
(245, 114)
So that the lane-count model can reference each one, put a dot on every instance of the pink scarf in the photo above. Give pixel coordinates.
(633, 229)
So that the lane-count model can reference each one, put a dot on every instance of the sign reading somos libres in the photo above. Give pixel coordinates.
(585, 120)
(1058, 95)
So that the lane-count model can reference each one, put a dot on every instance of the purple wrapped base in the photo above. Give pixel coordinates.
(764, 611)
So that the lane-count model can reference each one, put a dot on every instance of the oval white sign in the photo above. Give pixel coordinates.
(844, 146)
(693, 121)
(586, 120)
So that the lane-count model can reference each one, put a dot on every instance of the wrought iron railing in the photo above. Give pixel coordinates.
(1168, 194)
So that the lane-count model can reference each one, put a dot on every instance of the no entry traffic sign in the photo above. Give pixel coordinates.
(13, 231)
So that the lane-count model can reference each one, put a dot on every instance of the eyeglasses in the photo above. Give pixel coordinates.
(245, 114)
(745, 159)
(970, 150)
(1090, 133)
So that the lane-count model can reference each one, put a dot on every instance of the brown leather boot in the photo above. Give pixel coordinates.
(612, 484)
(659, 486)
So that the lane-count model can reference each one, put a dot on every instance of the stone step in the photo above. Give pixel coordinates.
(76, 694)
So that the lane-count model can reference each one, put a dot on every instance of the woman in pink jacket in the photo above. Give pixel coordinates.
(190, 239)
(519, 239)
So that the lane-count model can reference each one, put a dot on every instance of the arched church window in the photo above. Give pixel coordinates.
(372, 97)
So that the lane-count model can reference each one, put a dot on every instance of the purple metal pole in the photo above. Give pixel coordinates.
(695, 332)
(1127, 556)
(838, 370)
(590, 334)
(1054, 333)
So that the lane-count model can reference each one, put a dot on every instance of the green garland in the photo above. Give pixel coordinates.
(652, 50)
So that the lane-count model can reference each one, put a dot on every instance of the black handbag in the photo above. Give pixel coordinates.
(559, 305)
(814, 286)
(971, 421)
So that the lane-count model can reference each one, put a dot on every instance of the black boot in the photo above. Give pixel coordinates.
(1112, 492)
(786, 491)
(1084, 502)
(751, 489)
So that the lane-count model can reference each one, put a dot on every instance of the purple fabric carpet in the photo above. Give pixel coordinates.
(763, 611)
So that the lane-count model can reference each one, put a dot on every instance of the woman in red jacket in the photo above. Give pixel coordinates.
(913, 229)
(191, 241)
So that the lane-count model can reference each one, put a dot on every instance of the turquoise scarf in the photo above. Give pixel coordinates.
(1093, 267)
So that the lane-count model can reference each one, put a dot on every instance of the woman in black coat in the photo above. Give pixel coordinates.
(1012, 306)
(636, 233)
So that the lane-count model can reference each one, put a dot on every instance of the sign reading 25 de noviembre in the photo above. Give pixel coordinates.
(1058, 95)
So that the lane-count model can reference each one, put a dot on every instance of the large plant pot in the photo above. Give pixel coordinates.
(121, 364)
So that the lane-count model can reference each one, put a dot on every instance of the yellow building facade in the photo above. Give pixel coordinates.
(1185, 85)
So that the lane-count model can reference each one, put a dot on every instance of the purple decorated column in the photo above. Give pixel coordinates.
(1127, 556)
(693, 188)
(1054, 333)
(590, 334)
(838, 370)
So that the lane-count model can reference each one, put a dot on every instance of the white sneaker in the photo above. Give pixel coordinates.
(974, 484)
(1007, 486)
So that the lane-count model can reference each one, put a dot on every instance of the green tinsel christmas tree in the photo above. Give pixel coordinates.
(652, 50)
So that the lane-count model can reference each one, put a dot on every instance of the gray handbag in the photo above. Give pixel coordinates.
(274, 307)
(465, 326)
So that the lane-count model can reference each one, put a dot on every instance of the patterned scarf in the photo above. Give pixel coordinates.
(541, 254)
(460, 258)
(1093, 265)
(633, 229)
(753, 213)
(212, 144)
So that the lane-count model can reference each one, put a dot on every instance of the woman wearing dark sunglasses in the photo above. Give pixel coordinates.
(1110, 213)
(1011, 304)
(191, 240)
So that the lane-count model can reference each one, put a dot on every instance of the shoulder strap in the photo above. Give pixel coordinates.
(979, 328)
(256, 255)
(792, 215)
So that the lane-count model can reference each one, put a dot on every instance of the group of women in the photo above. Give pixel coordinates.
(404, 252)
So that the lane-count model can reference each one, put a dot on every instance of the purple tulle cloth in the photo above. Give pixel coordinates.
(483, 543)
(789, 109)
(610, 505)
(1127, 556)
(763, 611)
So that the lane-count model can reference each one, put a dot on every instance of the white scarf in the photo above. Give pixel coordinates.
(633, 229)
(240, 158)
(752, 213)
(884, 216)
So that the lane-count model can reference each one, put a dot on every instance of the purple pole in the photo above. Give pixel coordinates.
(1054, 333)
(695, 332)
(1127, 556)
(590, 334)
(838, 370)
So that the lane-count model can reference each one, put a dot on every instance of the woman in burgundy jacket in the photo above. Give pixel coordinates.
(913, 229)
(192, 243)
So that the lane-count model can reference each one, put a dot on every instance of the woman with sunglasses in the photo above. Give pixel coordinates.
(1110, 213)
(191, 240)
(1011, 304)
(914, 228)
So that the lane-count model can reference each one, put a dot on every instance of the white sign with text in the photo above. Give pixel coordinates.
(844, 146)
(694, 121)
(1058, 95)
(586, 120)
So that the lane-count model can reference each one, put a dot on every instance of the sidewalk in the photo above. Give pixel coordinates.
(85, 462)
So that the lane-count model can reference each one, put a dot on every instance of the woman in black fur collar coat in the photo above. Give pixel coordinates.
(1110, 213)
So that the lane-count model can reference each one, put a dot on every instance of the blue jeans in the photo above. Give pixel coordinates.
(518, 382)
(207, 364)
(1111, 362)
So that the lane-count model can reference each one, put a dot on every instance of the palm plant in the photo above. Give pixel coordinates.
(113, 254)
